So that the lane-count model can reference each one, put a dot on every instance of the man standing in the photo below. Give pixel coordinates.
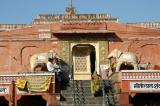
(52, 66)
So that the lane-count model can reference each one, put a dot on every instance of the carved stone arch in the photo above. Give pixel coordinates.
(21, 53)
(148, 44)
(127, 66)
(5, 56)
(25, 54)
(149, 53)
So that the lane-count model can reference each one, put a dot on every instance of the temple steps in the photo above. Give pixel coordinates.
(79, 94)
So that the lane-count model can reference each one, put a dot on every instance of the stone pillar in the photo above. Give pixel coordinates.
(51, 99)
(123, 99)
(12, 90)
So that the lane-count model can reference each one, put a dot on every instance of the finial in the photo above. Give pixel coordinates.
(70, 3)
(70, 10)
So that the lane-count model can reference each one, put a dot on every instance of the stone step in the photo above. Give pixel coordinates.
(93, 100)
(86, 97)
(75, 92)
(84, 89)
(86, 82)
(84, 85)
(107, 82)
(88, 85)
(86, 102)
(66, 104)
(72, 95)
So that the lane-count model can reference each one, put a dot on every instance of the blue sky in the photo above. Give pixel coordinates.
(23, 11)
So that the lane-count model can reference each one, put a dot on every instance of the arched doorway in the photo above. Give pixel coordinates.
(84, 61)
(3, 101)
(31, 101)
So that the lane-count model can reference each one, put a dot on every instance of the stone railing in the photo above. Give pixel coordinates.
(151, 25)
(140, 74)
(49, 18)
(9, 78)
(136, 81)
(5, 27)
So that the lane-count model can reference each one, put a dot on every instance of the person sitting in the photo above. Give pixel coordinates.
(37, 68)
(40, 67)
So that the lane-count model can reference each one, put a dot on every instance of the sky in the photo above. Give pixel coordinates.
(24, 11)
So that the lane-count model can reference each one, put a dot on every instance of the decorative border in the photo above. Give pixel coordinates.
(140, 74)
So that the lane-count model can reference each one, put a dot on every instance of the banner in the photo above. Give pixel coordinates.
(4, 89)
(21, 83)
(145, 86)
(38, 83)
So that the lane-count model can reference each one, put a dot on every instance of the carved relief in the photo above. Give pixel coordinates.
(5, 59)
(64, 52)
(25, 55)
(103, 51)
(149, 53)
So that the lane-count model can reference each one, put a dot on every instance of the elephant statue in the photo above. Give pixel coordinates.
(42, 58)
(123, 58)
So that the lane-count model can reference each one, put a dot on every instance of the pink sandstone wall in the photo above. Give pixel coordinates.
(146, 51)
(15, 56)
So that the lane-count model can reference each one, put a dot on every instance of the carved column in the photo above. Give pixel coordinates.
(103, 52)
(64, 52)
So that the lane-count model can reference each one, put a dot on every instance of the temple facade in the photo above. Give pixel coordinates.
(83, 43)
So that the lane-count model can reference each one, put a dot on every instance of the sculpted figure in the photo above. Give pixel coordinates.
(123, 58)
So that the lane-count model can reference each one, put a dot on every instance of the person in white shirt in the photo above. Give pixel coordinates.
(52, 65)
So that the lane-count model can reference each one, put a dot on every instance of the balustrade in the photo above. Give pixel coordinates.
(9, 78)
(140, 74)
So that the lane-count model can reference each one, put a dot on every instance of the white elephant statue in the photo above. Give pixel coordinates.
(124, 57)
(42, 58)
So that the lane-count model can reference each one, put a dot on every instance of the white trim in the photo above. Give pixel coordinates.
(26, 74)
(133, 71)
(156, 79)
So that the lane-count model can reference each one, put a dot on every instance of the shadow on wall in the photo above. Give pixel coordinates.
(126, 66)
(111, 36)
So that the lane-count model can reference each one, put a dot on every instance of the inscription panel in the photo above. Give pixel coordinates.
(4, 89)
